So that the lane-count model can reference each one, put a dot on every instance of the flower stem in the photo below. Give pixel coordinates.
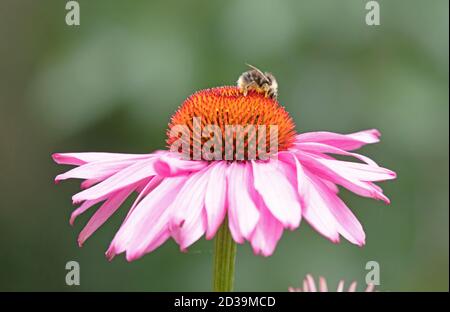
(224, 259)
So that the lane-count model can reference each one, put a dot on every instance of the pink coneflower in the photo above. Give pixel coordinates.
(309, 285)
(185, 199)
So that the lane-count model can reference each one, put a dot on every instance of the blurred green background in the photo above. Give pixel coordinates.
(112, 83)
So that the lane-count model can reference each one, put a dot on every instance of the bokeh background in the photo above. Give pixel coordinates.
(112, 83)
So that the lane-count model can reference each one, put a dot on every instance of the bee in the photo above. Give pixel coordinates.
(255, 79)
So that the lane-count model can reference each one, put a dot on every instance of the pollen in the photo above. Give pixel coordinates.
(250, 124)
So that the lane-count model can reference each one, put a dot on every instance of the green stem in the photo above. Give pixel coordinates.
(224, 259)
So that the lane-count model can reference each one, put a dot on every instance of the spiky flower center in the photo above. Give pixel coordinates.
(217, 118)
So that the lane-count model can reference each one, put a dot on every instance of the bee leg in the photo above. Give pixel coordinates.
(250, 86)
(267, 91)
(244, 89)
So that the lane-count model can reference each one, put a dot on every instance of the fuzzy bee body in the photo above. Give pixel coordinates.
(255, 79)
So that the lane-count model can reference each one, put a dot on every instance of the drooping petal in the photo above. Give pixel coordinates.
(314, 208)
(379, 190)
(215, 198)
(104, 213)
(362, 171)
(271, 182)
(347, 224)
(333, 187)
(346, 142)
(243, 215)
(366, 173)
(157, 241)
(90, 182)
(171, 164)
(321, 149)
(140, 170)
(323, 209)
(83, 208)
(144, 188)
(341, 173)
(267, 232)
(187, 224)
(95, 170)
(143, 228)
(189, 234)
(88, 157)
(191, 198)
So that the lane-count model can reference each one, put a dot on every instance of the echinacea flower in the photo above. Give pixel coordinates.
(187, 195)
(309, 285)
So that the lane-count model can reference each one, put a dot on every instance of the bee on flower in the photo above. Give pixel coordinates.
(253, 198)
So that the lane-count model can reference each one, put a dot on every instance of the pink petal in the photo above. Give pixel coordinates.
(320, 149)
(140, 170)
(147, 187)
(323, 209)
(323, 284)
(340, 287)
(333, 187)
(189, 234)
(103, 213)
(187, 224)
(305, 285)
(190, 200)
(141, 232)
(90, 182)
(314, 208)
(243, 214)
(215, 198)
(311, 283)
(352, 287)
(267, 232)
(83, 208)
(362, 171)
(339, 172)
(347, 224)
(171, 164)
(370, 288)
(95, 170)
(157, 241)
(271, 182)
(84, 158)
(344, 141)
